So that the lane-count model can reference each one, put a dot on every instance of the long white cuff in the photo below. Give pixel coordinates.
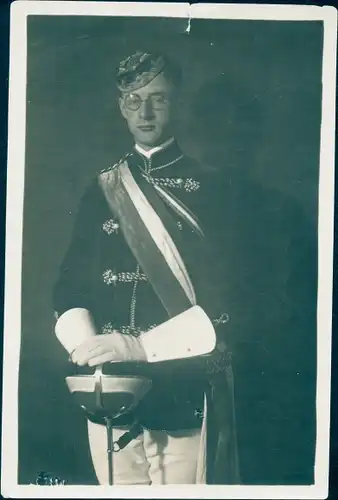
(74, 327)
(189, 334)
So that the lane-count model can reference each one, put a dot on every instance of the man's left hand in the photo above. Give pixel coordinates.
(112, 347)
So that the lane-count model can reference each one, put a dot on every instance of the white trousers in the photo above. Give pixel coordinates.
(154, 457)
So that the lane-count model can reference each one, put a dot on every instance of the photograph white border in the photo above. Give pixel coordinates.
(14, 227)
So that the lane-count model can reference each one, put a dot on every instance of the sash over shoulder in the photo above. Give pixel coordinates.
(160, 260)
(148, 239)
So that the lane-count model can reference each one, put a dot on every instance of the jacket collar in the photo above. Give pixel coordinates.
(167, 154)
(148, 154)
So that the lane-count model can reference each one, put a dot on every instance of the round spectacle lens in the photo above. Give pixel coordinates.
(134, 101)
(159, 102)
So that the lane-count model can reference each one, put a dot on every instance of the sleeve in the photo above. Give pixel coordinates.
(73, 288)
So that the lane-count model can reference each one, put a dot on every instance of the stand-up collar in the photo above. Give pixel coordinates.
(149, 153)
(168, 153)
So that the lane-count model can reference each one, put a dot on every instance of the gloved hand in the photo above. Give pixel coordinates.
(112, 347)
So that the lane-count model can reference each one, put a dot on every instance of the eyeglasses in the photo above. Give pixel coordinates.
(158, 101)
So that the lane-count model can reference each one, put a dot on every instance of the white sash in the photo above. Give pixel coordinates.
(158, 232)
(169, 251)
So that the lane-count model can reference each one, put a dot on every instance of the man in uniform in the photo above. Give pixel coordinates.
(156, 234)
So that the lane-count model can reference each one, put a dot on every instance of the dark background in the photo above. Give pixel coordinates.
(252, 97)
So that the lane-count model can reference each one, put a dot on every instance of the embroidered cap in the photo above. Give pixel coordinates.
(139, 69)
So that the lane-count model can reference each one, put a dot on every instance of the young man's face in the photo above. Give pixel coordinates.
(148, 112)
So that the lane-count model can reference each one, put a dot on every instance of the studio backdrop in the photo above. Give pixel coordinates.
(251, 103)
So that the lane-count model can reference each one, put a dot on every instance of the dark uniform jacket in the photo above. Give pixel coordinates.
(254, 274)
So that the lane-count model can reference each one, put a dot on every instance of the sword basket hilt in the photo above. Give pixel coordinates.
(106, 398)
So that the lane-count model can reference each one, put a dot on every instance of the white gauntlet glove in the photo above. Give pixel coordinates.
(187, 335)
(76, 331)
(112, 347)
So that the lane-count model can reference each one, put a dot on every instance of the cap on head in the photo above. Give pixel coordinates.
(141, 68)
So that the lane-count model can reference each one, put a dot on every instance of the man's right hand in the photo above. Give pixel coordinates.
(108, 348)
